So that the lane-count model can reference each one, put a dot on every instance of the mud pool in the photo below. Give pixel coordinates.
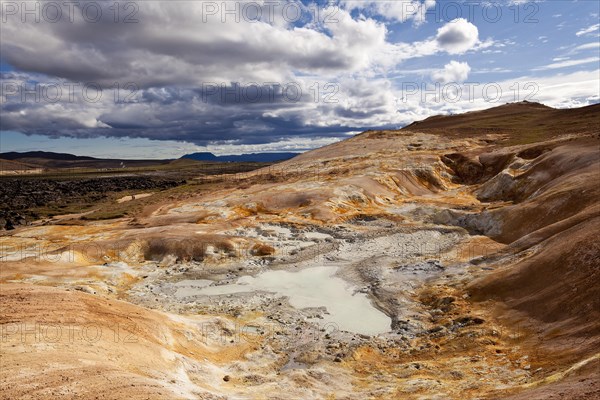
(314, 287)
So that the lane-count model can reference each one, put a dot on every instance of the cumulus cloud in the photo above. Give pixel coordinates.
(458, 36)
(454, 71)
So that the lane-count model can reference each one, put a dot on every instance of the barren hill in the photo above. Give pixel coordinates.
(523, 122)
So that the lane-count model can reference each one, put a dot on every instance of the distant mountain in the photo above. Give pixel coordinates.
(204, 156)
(253, 157)
(47, 159)
(48, 155)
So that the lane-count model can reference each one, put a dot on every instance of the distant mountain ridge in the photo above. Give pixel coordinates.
(203, 156)
(251, 157)
(48, 155)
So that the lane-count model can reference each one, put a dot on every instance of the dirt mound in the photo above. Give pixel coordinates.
(186, 248)
(557, 285)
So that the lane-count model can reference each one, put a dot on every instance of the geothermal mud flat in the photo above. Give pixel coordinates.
(396, 264)
(331, 283)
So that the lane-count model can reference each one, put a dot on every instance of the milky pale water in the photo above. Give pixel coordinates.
(311, 287)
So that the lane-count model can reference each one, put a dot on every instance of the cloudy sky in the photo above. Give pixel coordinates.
(159, 79)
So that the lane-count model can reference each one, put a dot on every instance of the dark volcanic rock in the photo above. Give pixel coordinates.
(18, 195)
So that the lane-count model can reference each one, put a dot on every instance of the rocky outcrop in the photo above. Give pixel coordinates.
(467, 170)
(11, 219)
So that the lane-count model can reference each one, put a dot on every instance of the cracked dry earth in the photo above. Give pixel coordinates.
(411, 264)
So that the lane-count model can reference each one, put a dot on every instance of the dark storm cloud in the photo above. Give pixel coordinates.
(198, 115)
(174, 75)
